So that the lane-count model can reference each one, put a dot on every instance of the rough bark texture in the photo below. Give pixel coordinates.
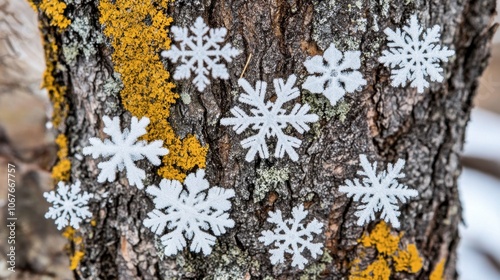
(383, 122)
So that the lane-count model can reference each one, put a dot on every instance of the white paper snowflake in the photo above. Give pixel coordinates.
(269, 119)
(70, 206)
(334, 73)
(290, 236)
(412, 59)
(378, 192)
(124, 150)
(200, 53)
(189, 214)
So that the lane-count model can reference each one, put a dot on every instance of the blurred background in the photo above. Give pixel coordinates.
(26, 141)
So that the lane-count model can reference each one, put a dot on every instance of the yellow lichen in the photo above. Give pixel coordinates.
(382, 238)
(55, 91)
(389, 255)
(408, 260)
(69, 232)
(54, 10)
(62, 170)
(438, 272)
(377, 270)
(75, 259)
(76, 256)
(138, 31)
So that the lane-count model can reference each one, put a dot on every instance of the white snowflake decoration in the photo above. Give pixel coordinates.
(200, 53)
(269, 119)
(70, 206)
(334, 73)
(412, 59)
(378, 192)
(189, 214)
(291, 236)
(124, 150)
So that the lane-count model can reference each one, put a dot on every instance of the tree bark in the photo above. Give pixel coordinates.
(384, 122)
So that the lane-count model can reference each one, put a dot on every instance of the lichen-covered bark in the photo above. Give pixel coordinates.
(383, 122)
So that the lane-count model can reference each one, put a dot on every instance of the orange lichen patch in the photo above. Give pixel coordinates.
(438, 272)
(138, 31)
(377, 270)
(62, 170)
(69, 233)
(74, 258)
(408, 260)
(54, 10)
(381, 237)
(389, 255)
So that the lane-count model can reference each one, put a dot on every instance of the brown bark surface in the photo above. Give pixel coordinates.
(384, 122)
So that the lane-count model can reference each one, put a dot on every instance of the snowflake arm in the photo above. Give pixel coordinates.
(124, 150)
(378, 192)
(334, 73)
(200, 53)
(290, 236)
(269, 119)
(189, 215)
(412, 59)
(70, 206)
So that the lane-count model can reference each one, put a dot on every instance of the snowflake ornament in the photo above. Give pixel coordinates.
(200, 53)
(189, 214)
(124, 150)
(270, 119)
(412, 59)
(334, 73)
(70, 206)
(290, 236)
(378, 192)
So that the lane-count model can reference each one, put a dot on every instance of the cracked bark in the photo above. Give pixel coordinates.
(384, 122)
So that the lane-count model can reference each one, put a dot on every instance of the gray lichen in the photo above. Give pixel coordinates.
(185, 98)
(231, 263)
(83, 40)
(314, 271)
(159, 248)
(267, 180)
(113, 85)
(320, 105)
(111, 88)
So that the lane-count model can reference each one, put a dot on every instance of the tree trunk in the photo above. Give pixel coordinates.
(103, 60)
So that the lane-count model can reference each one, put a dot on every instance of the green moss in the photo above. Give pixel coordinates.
(267, 180)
